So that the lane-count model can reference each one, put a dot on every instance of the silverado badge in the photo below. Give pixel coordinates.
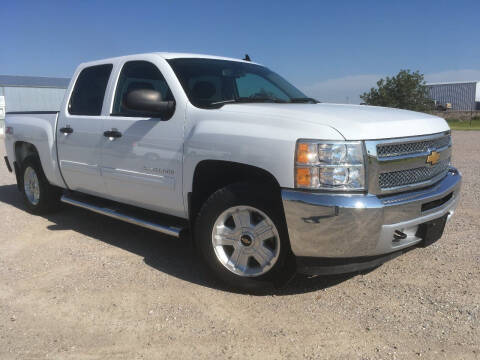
(433, 158)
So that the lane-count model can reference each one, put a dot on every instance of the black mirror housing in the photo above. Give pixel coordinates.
(146, 102)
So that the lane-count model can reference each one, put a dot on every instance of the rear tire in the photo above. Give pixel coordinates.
(242, 237)
(38, 195)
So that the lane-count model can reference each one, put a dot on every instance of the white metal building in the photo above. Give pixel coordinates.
(29, 93)
(463, 96)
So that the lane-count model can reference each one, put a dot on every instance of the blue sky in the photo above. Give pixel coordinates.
(333, 50)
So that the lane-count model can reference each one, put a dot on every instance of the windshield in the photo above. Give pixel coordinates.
(211, 83)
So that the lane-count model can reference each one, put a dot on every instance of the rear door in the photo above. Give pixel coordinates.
(142, 167)
(80, 131)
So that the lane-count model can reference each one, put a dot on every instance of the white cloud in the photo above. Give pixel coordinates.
(348, 89)
(342, 90)
(454, 75)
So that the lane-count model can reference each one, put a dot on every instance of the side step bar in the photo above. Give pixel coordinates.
(169, 230)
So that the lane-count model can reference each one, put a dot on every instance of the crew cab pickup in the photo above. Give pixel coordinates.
(267, 180)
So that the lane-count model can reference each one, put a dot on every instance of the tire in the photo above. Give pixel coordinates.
(249, 253)
(38, 195)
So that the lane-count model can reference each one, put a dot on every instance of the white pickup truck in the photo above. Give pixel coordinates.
(268, 180)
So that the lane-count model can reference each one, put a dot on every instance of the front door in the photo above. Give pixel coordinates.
(80, 131)
(142, 160)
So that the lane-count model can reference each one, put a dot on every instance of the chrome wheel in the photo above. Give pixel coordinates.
(246, 241)
(31, 186)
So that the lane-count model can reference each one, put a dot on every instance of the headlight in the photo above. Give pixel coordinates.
(335, 165)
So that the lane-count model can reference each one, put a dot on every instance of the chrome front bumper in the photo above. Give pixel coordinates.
(332, 225)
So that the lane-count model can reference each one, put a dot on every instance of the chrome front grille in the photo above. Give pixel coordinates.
(401, 164)
(413, 176)
(413, 147)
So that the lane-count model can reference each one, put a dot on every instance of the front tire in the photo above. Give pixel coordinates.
(38, 195)
(242, 237)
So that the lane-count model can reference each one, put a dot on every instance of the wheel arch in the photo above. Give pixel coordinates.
(212, 175)
(48, 161)
(22, 151)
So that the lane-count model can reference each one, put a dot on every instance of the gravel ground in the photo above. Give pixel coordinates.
(77, 285)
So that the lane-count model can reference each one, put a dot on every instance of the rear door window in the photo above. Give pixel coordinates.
(89, 91)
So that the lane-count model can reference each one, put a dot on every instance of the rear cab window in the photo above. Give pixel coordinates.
(89, 91)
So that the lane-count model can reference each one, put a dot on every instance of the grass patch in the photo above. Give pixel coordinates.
(474, 124)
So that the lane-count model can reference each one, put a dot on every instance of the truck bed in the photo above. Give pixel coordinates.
(39, 129)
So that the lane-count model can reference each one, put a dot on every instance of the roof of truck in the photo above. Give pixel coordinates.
(167, 56)
(174, 55)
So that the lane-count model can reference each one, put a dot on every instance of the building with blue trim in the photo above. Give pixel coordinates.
(462, 96)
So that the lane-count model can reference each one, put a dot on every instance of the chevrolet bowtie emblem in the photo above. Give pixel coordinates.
(433, 158)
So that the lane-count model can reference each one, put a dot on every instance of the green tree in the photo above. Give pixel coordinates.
(406, 90)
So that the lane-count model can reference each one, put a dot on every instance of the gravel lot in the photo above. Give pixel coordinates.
(76, 285)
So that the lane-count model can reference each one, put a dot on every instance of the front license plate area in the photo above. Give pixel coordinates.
(432, 230)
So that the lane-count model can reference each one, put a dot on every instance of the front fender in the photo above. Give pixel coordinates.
(267, 143)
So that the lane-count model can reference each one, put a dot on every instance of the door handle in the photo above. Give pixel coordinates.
(66, 130)
(112, 134)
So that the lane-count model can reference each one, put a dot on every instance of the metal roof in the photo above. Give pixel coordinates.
(33, 81)
(452, 82)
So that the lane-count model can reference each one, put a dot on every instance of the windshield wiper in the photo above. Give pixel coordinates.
(249, 100)
(304, 100)
(245, 100)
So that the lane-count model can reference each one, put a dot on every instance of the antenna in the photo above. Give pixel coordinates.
(247, 58)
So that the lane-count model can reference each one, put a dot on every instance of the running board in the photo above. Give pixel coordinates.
(169, 230)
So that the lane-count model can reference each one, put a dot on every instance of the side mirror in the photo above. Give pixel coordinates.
(148, 102)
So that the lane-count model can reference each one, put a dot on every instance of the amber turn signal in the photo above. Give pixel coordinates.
(306, 153)
(302, 153)
(303, 176)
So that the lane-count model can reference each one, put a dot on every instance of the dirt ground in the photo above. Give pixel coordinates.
(77, 285)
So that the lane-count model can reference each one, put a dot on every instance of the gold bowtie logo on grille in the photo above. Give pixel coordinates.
(433, 158)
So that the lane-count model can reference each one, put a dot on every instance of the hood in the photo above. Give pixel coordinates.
(354, 122)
